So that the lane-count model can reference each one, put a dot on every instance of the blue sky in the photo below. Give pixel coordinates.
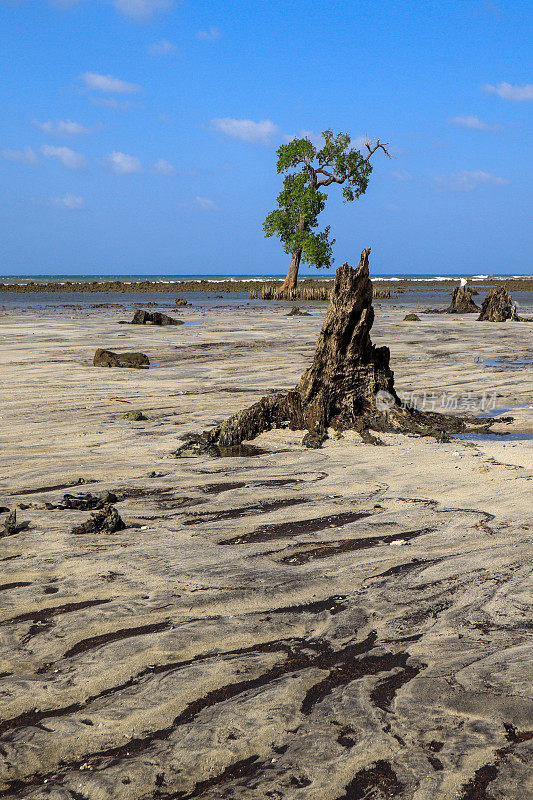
(140, 136)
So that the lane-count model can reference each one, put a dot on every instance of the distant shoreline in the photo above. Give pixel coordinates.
(214, 286)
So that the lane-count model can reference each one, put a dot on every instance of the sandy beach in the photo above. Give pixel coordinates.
(348, 622)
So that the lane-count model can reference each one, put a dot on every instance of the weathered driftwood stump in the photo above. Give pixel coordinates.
(349, 385)
(462, 302)
(498, 306)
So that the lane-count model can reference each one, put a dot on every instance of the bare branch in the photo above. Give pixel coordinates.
(372, 146)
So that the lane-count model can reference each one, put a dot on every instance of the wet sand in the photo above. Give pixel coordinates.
(349, 622)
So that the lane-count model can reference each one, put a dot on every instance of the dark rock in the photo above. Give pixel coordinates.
(462, 302)
(295, 312)
(314, 439)
(180, 301)
(108, 520)
(106, 358)
(135, 416)
(498, 306)
(10, 524)
(411, 318)
(154, 318)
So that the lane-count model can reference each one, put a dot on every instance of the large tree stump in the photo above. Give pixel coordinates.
(498, 306)
(462, 302)
(349, 385)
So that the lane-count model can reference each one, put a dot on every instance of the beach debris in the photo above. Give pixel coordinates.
(295, 312)
(154, 318)
(180, 301)
(10, 524)
(134, 416)
(84, 501)
(498, 306)
(117, 400)
(349, 384)
(108, 520)
(412, 318)
(107, 358)
(462, 302)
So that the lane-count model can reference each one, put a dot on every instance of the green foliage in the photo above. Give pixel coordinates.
(301, 201)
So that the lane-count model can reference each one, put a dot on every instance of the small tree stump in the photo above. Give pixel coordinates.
(462, 302)
(498, 306)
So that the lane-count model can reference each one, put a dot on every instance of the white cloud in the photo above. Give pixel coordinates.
(62, 127)
(205, 202)
(209, 35)
(162, 48)
(402, 176)
(467, 181)
(70, 201)
(164, 167)
(314, 138)
(122, 164)
(69, 158)
(360, 143)
(107, 83)
(26, 156)
(510, 92)
(246, 129)
(474, 123)
(142, 9)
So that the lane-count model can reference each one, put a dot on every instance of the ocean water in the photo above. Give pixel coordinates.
(95, 302)
(397, 276)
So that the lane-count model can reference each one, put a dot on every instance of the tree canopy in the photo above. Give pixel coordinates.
(301, 200)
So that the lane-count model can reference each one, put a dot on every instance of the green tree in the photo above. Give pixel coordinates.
(301, 201)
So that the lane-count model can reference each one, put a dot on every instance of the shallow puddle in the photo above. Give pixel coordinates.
(497, 362)
(519, 436)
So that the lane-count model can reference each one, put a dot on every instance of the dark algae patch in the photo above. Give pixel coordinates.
(244, 511)
(328, 549)
(378, 782)
(476, 788)
(287, 530)
(300, 654)
(385, 691)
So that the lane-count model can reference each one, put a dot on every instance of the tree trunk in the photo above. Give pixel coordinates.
(348, 385)
(291, 280)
